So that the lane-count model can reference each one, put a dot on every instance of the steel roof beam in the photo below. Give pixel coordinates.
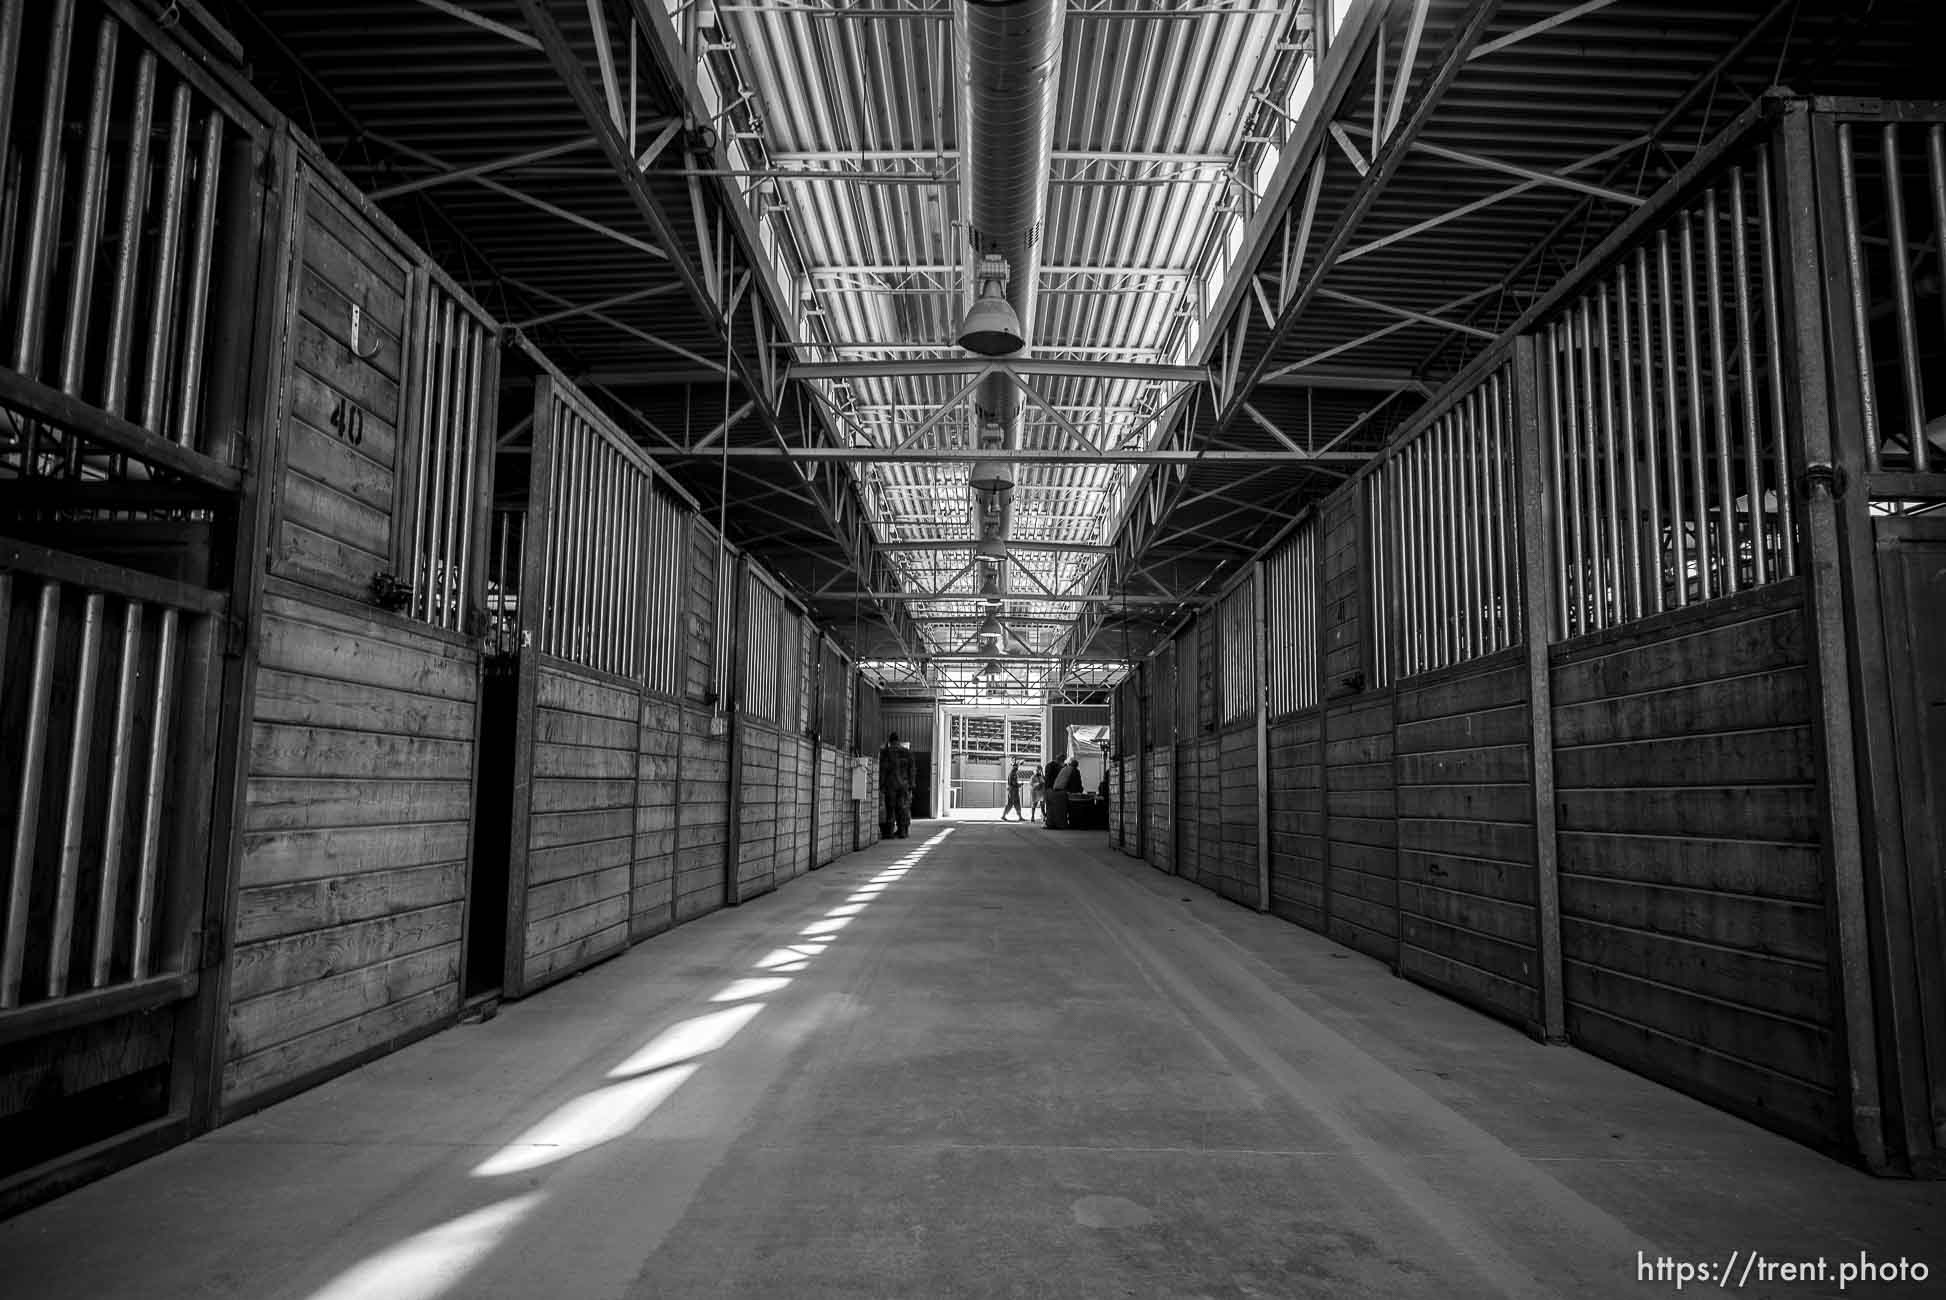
(1051, 456)
(966, 365)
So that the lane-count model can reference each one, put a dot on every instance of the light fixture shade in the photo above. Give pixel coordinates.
(991, 476)
(991, 627)
(991, 548)
(992, 327)
(991, 668)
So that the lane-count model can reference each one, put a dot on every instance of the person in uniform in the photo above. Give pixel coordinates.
(1013, 793)
(894, 789)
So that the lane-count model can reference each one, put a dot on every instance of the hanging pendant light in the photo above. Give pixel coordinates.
(992, 327)
(991, 627)
(991, 547)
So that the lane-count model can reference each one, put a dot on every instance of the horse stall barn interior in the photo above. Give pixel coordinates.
(292, 771)
(365, 659)
(1562, 711)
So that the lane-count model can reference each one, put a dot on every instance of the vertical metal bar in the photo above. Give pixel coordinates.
(1692, 355)
(27, 800)
(456, 435)
(1672, 421)
(1614, 605)
(420, 563)
(603, 622)
(135, 201)
(1726, 529)
(12, 12)
(1651, 446)
(74, 808)
(637, 581)
(1506, 619)
(1631, 594)
(437, 437)
(87, 232)
(43, 223)
(470, 435)
(1476, 519)
(1551, 430)
(1455, 584)
(1861, 294)
(1747, 379)
(1571, 437)
(575, 625)
(148, 866)
(1936, 189)
(115, 820)
(1774, 372)
(557, 523)
(168, 248)
(1596, 601)
(202, 250)
(1914, 387)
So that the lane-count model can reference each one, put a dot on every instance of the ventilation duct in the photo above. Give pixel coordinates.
(1010, 63)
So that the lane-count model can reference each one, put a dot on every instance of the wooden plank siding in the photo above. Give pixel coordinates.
(1467, 909)
(355, 841)
(1188, 785)
(1361, 830)
(1159, 767)
(1694, 925)
(757, 810)
(335, 496)
(652, 885)
(582, 821)
(703, 834)
(834, 804)
(1297, 819)
(1237, 787)
(1343, 596)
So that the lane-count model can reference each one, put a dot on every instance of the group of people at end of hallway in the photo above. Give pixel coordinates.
(1059, 774)
(895, 787)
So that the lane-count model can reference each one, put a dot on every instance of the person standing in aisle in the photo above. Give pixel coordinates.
(1013, 794)
(1040, 792)
(894, 789)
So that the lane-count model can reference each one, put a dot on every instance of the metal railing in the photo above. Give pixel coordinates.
(108, 683)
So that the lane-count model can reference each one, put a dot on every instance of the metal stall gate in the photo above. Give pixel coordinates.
(133, 215)
(1877, 174)
(600, 576)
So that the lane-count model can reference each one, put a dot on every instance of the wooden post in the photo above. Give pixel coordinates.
(243, 417)
(1261, 667)
(1537, 585)
(729, 695)
(1834, 537)
(534, 582)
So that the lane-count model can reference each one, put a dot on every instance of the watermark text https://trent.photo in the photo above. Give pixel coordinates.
(1743, 1268)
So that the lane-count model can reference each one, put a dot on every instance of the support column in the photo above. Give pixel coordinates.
(1830, 542)
(1537, 591)
(1261, 664)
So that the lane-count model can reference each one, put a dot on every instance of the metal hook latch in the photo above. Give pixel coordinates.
(357, 326)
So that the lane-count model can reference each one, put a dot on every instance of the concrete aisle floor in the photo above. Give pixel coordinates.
(983, 1061)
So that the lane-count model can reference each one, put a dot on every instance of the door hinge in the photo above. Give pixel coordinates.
(236, 635)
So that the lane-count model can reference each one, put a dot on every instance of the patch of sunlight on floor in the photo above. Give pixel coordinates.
(829, 925)
(429, 1263)
(754, 987)
(588, 1121)
(847, 909)
(687, 1039)
(795, 955)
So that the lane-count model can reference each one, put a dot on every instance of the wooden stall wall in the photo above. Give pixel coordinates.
(581, 822)
(1361, 868)
(658, 816)
(1466, 848)
(703, 748)
(1694, 927)
(1235, 764)
(351, 882)
(1297, 819)
(1158, 766)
